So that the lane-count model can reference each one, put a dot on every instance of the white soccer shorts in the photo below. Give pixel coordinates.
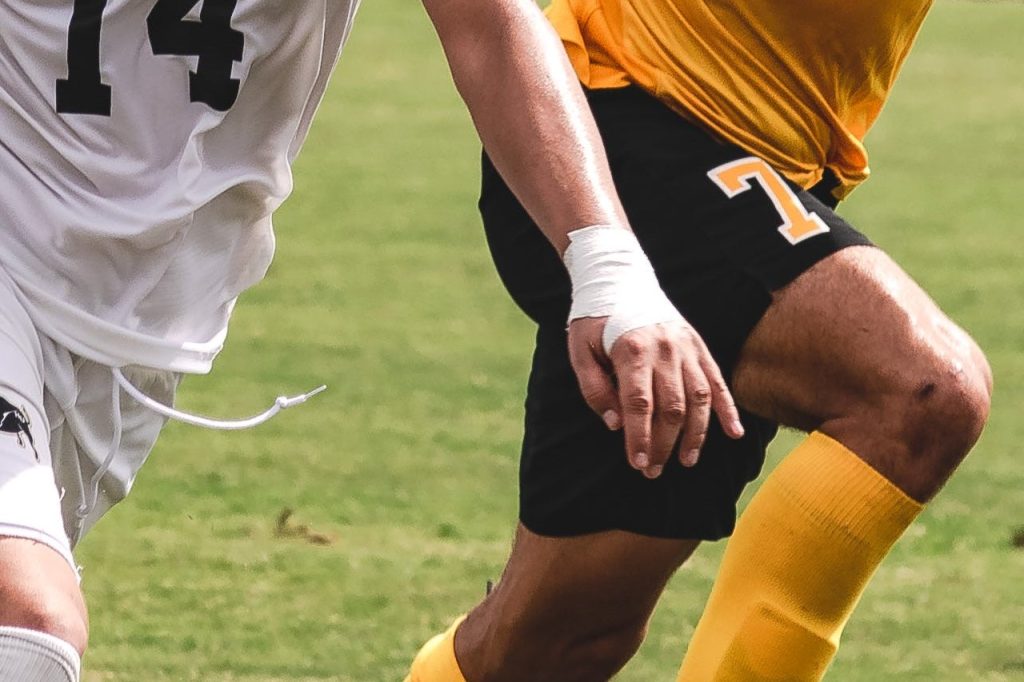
(71, 441)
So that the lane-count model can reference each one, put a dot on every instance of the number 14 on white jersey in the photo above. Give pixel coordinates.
(171, 32)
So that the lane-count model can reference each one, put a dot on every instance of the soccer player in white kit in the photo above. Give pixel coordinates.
(144, 145)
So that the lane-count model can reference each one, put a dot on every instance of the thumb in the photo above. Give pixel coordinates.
(596, 383)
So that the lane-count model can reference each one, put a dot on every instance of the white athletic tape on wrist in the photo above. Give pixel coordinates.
(612, 277)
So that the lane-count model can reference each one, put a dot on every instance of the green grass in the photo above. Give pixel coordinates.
(383, 290)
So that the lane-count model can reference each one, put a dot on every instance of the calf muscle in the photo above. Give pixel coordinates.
(568, 609)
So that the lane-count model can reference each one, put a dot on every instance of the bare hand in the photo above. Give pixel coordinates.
(659, 380)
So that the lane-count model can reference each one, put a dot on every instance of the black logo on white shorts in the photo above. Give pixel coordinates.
(15, 421)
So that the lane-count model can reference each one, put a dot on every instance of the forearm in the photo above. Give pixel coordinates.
(535, 124)
(530, 112)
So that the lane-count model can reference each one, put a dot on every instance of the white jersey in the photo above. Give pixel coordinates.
(144, 145)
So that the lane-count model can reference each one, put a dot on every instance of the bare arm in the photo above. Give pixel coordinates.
(529, 110)
(657, 380)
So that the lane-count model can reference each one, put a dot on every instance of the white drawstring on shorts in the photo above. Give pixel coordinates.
(88, 504)
(282, 403)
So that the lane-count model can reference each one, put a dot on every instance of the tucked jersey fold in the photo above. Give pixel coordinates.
(797, 83)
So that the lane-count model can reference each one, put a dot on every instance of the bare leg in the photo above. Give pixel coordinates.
(854, 348)
(39, 591)
(568, 609)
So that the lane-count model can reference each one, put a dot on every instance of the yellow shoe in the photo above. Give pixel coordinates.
(435, 661)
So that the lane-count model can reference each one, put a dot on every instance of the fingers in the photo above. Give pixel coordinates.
(660, 381)
(595, 380)
(698, 413)
(670, 403)
(721, 398)
(706, 391)
(669, 386)
(632, 363)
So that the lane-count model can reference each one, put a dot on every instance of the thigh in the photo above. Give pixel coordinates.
(855, 348)
(575, 479)
(557, 594)
(101, 436)
(38, 576)
(29, 497)
(722, 231)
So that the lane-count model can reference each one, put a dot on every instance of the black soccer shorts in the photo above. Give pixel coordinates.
(722, 231)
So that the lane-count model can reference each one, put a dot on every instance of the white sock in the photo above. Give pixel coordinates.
(31, 656)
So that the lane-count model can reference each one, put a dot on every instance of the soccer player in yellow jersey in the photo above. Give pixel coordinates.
(732, 129)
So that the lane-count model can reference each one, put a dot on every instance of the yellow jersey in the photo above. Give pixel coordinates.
(795, 82)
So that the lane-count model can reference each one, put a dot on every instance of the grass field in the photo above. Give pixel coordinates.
(402, 477)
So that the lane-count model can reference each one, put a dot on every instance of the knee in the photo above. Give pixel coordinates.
(62, 616)
(948, 407)
(938, 408)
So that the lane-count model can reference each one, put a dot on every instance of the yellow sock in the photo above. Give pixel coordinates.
(800, 558)
(436, 660)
